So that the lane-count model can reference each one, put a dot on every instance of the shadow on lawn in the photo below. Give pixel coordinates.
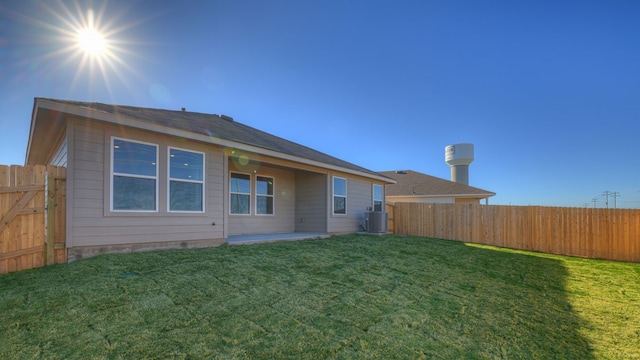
(511, 303)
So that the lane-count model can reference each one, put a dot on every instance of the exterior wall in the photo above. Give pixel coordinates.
(90, 221)
(59, 157)
(359, 201)
(283, 219)
(80, 252)
(467, 201)
(438, 200)
(311, 202)
(301, 191)
(415, 199)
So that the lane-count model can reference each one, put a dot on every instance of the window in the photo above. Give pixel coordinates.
(240, 190)
(186, 180)
(264, 195)
(339, 195)
(134, 176)
(377, 197)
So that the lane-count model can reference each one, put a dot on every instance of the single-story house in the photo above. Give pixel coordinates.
(141, 179)
(413, 186)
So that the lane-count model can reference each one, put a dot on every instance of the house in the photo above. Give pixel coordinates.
(143, 179)
(413, 186)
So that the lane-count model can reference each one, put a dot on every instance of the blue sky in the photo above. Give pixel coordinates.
(548, 91)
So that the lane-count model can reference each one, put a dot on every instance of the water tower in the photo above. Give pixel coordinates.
(459, 156)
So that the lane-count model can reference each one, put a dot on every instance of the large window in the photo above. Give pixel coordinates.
(264, 195)
(377, 198)
(240, 190)
(134, 176)
(339, 196)
(186, 180)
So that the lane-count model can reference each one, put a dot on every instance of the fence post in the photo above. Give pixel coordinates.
(50, 207)
(390, 208)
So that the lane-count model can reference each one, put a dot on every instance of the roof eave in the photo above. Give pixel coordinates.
(34, 113)
(120, 120)
(468, 196)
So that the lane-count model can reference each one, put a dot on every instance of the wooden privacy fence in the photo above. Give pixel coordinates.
(32, 216)
(612, 234)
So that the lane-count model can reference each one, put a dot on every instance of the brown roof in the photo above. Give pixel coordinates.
(212, 125)
(415, 183)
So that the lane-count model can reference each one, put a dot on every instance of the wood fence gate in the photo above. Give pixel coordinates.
(32, 216)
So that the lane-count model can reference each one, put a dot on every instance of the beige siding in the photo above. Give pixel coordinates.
(88, 180)
(439, 200)
(93, 224)
(432, 200)
(59, 157)
(467, 201)
(300, 192)
(283, 219)
(359, 200)
(311, 202)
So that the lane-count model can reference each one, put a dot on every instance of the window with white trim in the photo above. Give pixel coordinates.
(186, 180)
(264, 195)
(339, 195)
(377, 197)
(134, 175)
(240, 193)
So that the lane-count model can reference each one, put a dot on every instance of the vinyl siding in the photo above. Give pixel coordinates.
(441, 200)
(359, 200)
(59, 157)
(467, 201)
(88, 180)
(93, 223)
(283, 219)
(311, 202)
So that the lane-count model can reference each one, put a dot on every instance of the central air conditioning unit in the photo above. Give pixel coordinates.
(377, 221)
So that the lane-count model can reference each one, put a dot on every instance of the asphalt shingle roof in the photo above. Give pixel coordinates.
(416, 183)
(217, 126)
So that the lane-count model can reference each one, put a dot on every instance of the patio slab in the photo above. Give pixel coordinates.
(263, 238)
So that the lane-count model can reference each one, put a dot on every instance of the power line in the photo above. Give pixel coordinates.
(615, 194)
(606, 194)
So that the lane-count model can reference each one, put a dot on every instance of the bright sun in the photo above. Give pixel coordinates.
(91, 42)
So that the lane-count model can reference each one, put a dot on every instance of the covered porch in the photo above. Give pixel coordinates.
(270, 197)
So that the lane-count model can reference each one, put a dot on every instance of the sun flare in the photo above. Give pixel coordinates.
(91, 42)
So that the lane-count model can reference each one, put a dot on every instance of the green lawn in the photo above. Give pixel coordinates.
(344, 297)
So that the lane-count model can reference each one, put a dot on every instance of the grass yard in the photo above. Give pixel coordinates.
(345, 297)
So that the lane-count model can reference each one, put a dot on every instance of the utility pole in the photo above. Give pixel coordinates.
(615, 194)
(606, 194)
(595, 202)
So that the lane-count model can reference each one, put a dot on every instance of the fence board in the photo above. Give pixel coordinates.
(4, 204)
(612, 234)
(22, 216)
(60, 249)
(390, 209)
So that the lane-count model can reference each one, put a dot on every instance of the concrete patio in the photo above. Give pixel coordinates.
(263, 238)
